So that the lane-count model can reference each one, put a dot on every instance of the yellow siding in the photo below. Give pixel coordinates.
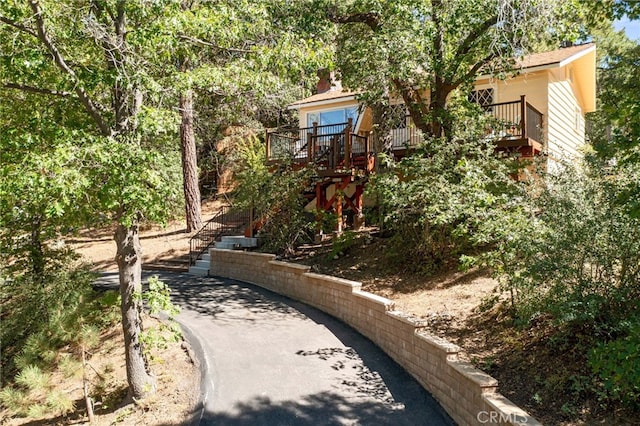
(561, 93)
(565, 119)
(554, 95)
(584, 73)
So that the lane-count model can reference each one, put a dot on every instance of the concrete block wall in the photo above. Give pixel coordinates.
(469, 395)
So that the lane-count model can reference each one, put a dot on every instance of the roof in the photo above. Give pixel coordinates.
(328, 96)
(533, 62)
(557, 57)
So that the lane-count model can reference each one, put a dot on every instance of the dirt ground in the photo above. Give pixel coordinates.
(177, 377)
(447, 298)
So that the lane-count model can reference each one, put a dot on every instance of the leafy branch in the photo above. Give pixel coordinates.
(60, 62)
(18, 26)
(33, 89)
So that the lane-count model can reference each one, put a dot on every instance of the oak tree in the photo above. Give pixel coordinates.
(86, 63)
(423, 51)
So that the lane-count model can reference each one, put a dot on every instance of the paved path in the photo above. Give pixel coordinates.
(274, 361)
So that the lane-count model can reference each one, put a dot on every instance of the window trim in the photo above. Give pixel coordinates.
(344, 108)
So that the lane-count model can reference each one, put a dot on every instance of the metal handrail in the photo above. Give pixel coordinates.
(226, 222)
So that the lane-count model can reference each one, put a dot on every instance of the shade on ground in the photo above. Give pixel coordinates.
(273, 361)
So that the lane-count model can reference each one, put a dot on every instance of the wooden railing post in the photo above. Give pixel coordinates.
(367, 151)
(347, 143)
(338, 207)
(523, 116)
(268, 147)
(314, 139)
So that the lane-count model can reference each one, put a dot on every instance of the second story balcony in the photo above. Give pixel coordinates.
(336, 149)
(516, 124)
(333, 148)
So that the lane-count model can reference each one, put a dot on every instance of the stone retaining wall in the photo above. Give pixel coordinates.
(469, 395)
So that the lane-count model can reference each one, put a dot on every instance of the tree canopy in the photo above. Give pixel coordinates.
(424, 50)
(89, 96)
(104, 145)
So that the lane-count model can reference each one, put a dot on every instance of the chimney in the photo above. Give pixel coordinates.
(327, 81)
(324, 80)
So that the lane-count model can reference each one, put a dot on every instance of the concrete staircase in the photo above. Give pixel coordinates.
(201, 267)
(174, 264)
(236, 242)
(227, 242)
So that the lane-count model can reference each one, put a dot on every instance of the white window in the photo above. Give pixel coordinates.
(334, 116)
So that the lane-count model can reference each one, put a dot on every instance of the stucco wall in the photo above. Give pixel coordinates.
(469, 395)
(533, 85)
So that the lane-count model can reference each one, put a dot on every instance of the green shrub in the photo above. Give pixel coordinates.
(342, 243)
(34, 395)
(436, 203)
(575, 257)
(16, 401)
(40, 316)
(617, 365)
(158, 301)
(158, 298)
(70, 366)
(276, 196)
(32, 378)
(571, 256)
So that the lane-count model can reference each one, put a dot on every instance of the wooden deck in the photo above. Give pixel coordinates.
(336, 150)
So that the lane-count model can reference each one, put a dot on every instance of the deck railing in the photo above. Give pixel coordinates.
(227, 221)
(333, 146)
(406, 137)
(337, 147)
(515, 120)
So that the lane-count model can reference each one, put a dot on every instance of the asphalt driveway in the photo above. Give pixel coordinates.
(269, 360)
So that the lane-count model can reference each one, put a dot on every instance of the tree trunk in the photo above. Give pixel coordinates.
(189, 164)
(129, 259)
(381, 140)
(37, 253)
(438, 110)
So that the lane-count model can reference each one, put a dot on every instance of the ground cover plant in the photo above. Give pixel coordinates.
(40, 317)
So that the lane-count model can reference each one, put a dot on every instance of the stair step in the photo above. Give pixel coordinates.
(241, 240)
(170, 267)
(203, 263)
(198, 271)
(226, 245)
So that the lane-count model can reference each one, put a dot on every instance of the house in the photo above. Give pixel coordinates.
(539, 109)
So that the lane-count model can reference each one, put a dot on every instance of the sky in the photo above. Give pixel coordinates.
(632, 28)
